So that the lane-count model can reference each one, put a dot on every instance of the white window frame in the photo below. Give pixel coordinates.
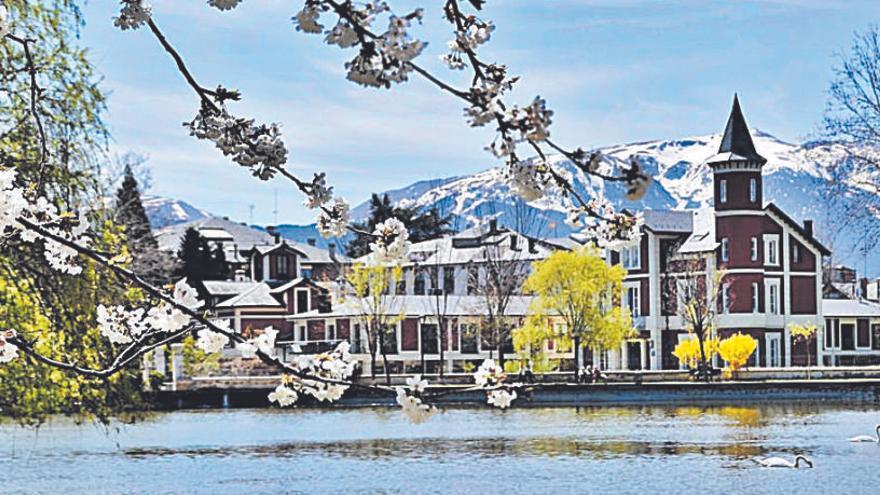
(754, 249)
(725, 249)
(725, 298)
(636, 308)
(722, 191)
(856, 336)
(795, 253)
(773, 301)
(296, 293)
(282, 259)
(753, 190)
(630, 257)
(771, 249)
(756, 297)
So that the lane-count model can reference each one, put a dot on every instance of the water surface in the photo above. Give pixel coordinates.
(562, 450)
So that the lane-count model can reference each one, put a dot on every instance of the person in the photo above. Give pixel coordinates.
(588, 374)
(581, 376)
(598, 375)
(530, 376)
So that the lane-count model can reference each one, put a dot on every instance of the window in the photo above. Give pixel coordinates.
(725, 298)
(630, 257)
(434, 274)
(754, 249)
(331, 332)
(863, 334)
(282, 266)
(430, 339)
(753, 190)
(473, 279)
(875, 334)
(722, 191)
(633, 301)
(832, 333)
(419, 283)
(755, 297)
(449, 280)
(469, 338)
(847, 337)
(771, 249)
(725, 250)
(302, 300)
(795, 253)
(773, 298)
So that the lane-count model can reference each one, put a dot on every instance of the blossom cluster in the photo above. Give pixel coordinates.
(390, 241)
(491, 376)
(258, 147)
(4, 23)
(382, 58)
(224, 4)
(475, 32)
(133, 14)
(122, 326)
(326, 374)
(333, 220)
(8, 350)
(409, 398)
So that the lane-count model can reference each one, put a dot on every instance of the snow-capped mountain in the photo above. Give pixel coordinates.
(794, 179)
(163, 212)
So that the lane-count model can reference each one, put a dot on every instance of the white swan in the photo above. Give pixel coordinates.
(867, 438)
(784, 463)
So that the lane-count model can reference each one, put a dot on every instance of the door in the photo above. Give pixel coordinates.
(774, 350)
(634, 355)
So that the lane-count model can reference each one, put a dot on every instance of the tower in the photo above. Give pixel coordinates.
(736, 168)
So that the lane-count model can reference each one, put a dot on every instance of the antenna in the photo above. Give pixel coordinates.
(251, 209)
(275, 211)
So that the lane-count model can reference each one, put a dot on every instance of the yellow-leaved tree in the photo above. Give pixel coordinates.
(804, 334)
(689, 355)
(581, 291)
(736, 350)
(374, 289)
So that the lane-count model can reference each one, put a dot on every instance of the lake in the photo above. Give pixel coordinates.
(468, 450)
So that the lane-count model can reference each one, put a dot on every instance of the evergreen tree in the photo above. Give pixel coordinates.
(147, 261)
(422, 225)
(220, 269)
(198, 261)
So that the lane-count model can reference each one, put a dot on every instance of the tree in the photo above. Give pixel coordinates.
(148, 261)
(698, 301)
(373, 290)
(852, 118)
(690, 355)
(580, 289)
(736, 350)
(804, 334)
(422, 225)
(198, 261)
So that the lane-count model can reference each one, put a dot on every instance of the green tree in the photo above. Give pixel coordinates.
(578, 289)
(196, 259)
(422, 225)
(147, 261)
(54, 142)
(373, 293)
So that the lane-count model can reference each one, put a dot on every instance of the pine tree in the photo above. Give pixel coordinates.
(147, 261)
(195, 257)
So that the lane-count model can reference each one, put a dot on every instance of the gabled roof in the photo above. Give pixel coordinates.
(258, 296)
(797, 228)
(227, 287)
(671, 221)
(702, 238)
(737, 145)
(850, 307)
(272, 247)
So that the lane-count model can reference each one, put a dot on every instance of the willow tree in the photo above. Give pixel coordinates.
(579, 289)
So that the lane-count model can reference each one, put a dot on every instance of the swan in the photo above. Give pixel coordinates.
(867, 438)
(784, 463)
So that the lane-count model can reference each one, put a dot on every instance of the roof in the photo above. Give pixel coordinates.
(258, 296)
(268, 248)
(215, 234)
(243, 236)
(423, 306)
(227, 287)
(850, 307)
(676, 221)
(736, 144)
(310, 254)
(702, 238)
(797, 228)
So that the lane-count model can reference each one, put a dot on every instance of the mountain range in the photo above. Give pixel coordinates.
(795, 179)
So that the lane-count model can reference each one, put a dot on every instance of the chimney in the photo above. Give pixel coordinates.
(239, 275)
(532, 246)
(808, 228)
(274, 233)
(514, 242)
(493, 225)
(312, 241)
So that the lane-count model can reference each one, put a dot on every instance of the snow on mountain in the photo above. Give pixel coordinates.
(163, 212)
(794, 179)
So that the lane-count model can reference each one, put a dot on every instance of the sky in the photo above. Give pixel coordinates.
(613, 71)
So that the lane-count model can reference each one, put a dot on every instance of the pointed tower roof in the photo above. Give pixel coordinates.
(737, 145)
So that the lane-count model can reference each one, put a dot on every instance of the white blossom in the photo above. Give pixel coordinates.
(342, 35)
(283, 395)
(12, 201)
(8, 350)
(637, 181)
(306, 20)
(224, 4)
(265, 342)
(120, 325)
(332, 223)
(412, 406)
(527, 178)
(247, 350)
(210, 341)
(416, 384)
(335, 365)
(319, 192)
(391, 240)
(133, 14)
(489, 374)
(501, 398)
(4, 22)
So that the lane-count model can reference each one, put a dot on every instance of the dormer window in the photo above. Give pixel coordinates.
(722, 191)
(753, 190)
(282, 266)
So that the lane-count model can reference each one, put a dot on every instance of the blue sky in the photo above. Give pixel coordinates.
(614, 71)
